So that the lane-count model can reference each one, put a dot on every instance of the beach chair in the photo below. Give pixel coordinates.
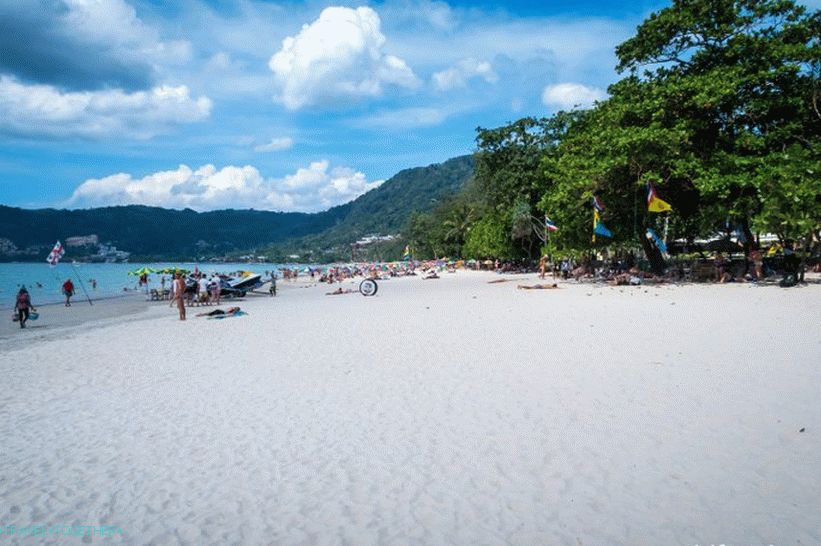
(155, 295)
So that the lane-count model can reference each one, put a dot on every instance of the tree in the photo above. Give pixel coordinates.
(742, 75)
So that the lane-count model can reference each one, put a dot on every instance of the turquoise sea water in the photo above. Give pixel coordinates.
(44, 282)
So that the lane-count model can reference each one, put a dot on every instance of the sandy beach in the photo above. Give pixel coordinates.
(447, 411)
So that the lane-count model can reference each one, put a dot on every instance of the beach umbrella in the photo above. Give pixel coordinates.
(173, 270)
(142, 271)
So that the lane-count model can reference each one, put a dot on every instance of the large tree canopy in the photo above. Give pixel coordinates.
(718, 109)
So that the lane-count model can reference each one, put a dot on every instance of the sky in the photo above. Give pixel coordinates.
(290, 106)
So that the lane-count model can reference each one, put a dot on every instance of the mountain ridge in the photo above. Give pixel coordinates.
(157, 233)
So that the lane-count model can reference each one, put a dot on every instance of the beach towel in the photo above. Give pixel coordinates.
(220, 317)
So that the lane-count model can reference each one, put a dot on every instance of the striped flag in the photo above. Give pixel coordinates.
(654, 203)
(548, 223)
(652, 235)
(598, 204)
(599, 228)
(55, 254)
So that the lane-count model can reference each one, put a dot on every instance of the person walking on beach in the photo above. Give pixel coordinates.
(179, 294)
(542, 266)
(22, 306)
(216, 289)
(68, 291)
(204, 292)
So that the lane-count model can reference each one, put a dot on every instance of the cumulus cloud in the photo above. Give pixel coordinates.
(310, 189)
(338, 57)
(568, 95)
(44, 110)
(458, 75)
(80, 44)
(276, 145)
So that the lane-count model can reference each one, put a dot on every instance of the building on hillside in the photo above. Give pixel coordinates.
(82, 240)
(7, 246)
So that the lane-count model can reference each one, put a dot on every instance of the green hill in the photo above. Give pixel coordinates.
(156, 233)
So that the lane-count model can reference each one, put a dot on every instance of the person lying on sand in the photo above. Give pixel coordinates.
(497, 281)
(217, 312)
(625, 279)
(339, 291)
(537, 286)
(430, 275)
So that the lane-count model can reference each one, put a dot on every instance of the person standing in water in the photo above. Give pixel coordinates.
(179, 294)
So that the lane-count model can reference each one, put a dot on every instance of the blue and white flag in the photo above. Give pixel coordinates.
(658, 240)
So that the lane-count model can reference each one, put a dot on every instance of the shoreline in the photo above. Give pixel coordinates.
(56, 319)
(111, 310)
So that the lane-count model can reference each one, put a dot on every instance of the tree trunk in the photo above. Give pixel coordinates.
(803, 265)
(749, 243)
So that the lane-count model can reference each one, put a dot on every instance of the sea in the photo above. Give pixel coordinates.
(45, 282)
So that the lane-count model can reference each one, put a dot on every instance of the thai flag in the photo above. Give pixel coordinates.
(55, 255)
(548, 223)
(598, 204)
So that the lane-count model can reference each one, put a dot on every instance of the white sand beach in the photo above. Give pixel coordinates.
(446, 411)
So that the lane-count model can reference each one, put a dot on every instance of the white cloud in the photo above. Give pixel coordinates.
(406, 118)
(458, 75)
(276, 145)
(337, 57)
(568, 95)
(84, 44)
(44, 110)
(309, 189)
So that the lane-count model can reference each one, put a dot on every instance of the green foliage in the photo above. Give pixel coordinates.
(488, 238)
(723, 120)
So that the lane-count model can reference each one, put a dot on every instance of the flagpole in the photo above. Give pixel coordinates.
(77, 273)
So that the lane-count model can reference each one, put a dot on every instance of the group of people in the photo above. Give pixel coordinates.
(23, 307)
(205, 291)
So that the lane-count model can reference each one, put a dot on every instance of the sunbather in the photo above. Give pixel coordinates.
(339, 291)
(220, 312)
(537, 286)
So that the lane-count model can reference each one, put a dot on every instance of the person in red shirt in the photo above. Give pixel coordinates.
(23, 306)
(68, 291)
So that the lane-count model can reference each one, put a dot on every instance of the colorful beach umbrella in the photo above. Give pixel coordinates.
(173, 270)
(142, 271)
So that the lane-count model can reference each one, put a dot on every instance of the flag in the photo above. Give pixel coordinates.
(55, 255)
(548, 223)
(598, 204)
(654, 204)
(598, 227)
(407, 254)
(656, 239)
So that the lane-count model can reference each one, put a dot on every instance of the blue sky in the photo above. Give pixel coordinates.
(272, 105)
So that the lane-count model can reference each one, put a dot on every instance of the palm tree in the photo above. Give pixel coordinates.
(458, 223)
